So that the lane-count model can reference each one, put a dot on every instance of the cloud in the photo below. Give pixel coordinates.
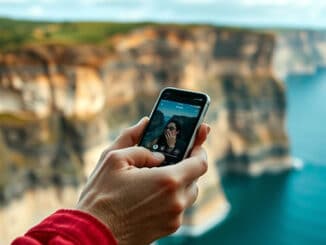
(197, 1)
(115, 2)
(279, 3)
(25, 1)
(35, 11)
(7, 2)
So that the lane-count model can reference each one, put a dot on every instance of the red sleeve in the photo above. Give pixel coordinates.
(68, 227)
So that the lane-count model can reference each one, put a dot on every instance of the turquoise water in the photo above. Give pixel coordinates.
(288, 208)
(307, 116)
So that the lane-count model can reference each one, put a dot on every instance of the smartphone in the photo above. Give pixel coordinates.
(174, 121)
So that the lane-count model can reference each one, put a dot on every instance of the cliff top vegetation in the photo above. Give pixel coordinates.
(19, 33)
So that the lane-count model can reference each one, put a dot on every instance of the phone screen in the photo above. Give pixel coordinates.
(172, 126)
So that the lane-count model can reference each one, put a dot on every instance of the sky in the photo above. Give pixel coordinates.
(251, 13)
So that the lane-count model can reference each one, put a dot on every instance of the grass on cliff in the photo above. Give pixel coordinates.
(18, 33)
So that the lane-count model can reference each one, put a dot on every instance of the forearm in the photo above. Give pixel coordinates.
(68, 227)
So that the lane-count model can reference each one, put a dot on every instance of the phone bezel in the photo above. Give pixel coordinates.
(183, 96)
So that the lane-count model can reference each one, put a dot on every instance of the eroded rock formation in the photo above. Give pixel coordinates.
(60, 105)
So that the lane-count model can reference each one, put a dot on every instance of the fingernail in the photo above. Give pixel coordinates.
(140, 121)
(158, 156)
(208, 129)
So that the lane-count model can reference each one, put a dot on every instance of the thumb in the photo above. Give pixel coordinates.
(130, 136)
(138, 157)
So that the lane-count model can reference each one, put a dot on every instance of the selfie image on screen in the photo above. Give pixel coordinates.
(171, 128)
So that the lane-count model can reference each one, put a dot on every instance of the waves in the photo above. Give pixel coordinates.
(297, 163)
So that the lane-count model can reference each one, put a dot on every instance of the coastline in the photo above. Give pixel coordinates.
(296, 164)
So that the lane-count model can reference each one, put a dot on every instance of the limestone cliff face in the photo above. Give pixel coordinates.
(234, 68)
(58, 105)
(299, 52)
(49, 115)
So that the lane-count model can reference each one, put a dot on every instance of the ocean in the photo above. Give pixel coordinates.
(287, 208)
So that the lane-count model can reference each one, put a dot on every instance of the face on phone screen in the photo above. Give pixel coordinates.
(170, 129)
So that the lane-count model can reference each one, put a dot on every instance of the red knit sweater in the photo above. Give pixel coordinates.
(67, 227)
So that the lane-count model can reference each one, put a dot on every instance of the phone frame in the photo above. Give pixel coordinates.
(182, 96)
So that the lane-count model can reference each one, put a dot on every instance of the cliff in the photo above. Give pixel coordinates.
(301, 51)
(61, 104)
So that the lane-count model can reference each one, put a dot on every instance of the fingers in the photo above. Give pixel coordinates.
(195, 166)
(202, 134)
(191, 194)
(169, 134)
(130, 136)
(134, 156)
(190, 169)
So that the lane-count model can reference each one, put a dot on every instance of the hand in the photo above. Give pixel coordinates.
(171, 139)
(136, 200)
